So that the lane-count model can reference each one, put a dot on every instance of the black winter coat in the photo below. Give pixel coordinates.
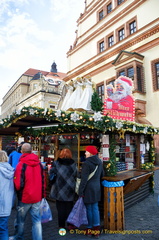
(64, 187)
(91, 189)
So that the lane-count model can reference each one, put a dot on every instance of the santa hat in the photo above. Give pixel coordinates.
(91, 149)
(126, 80)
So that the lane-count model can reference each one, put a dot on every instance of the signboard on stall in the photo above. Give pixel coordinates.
(120, 103)
(105, 141)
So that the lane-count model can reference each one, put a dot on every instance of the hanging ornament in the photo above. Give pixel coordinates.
(69, 136)
(147, 146)
(121, 134)
(53, 138)
(92, 136)
(83, 136)
(87, 136)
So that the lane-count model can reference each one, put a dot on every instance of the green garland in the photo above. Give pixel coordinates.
(110, 166)
(150, 164)
(78, 120)
(73, 122)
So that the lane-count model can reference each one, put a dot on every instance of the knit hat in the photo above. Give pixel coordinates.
(91, 149)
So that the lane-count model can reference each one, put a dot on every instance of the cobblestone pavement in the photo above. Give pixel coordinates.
(141, 223)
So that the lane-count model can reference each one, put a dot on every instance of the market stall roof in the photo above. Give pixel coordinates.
(24, 122)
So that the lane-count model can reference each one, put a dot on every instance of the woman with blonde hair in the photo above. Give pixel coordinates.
(63, 190)
(6, 194)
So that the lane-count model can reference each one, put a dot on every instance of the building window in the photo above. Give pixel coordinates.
(101, 15)
(132, 27)
(109, 8)
(112, 82)
(139, 79)
(155, 74)
(101, 46)
(121, 34)
(110, 41)
(120, 1)
(130, 73)
(122, 73)
(52, 106)
(130, 64)
(35, 85)
(100, 91)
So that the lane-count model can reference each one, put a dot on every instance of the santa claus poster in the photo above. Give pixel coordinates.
(119, 103)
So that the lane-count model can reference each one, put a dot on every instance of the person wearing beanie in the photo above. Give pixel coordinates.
(90, 189)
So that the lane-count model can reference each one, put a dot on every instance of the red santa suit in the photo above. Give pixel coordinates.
(121, 108)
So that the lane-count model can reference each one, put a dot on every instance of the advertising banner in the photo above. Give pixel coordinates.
(119, 103)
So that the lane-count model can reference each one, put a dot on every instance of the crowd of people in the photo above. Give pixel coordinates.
(23, 178)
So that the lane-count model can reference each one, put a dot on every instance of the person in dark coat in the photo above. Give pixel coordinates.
(63, 190)
(90, 189)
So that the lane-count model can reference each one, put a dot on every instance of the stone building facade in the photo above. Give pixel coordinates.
(35, 88)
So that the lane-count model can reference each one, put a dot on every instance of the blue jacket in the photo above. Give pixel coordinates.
(14, 158)
(6, 188)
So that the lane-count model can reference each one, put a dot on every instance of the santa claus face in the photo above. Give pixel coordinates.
(119, 88)
(119, 93)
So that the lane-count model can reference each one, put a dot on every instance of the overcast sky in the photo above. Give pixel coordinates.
(33, 34)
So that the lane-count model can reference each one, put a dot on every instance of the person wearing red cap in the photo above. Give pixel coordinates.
(90, 189)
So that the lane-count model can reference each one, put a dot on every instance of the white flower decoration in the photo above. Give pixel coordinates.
(155, 130)
(45, 111)
(18, 111)
(145, 130)
(74, 117)
(97, 116)
(58, 113)
(31, 111)
(134, 128)
(119, 125)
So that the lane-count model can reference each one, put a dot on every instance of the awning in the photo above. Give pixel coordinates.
(27, 121)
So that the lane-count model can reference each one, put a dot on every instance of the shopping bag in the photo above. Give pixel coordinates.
(45, 211)
(78, 215)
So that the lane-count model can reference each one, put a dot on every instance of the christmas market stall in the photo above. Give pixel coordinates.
(125, 146)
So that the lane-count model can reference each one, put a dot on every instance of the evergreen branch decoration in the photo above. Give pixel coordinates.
(75, 122)
(96, 103)
(110, 166)
(64, 119)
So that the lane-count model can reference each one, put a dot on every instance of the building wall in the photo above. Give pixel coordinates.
(84, 58)
(36, 93)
